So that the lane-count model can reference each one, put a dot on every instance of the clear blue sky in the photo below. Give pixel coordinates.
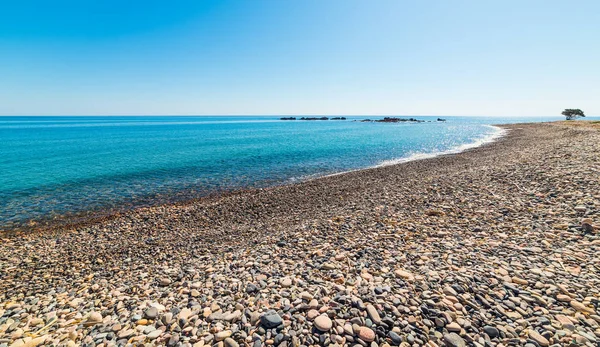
(438, 57)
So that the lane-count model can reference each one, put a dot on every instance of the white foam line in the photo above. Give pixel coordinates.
(498, 133)
(458, 149)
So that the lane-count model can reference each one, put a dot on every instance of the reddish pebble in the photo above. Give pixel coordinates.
(366, 334)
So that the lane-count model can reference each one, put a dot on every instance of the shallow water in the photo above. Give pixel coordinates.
(55, 166)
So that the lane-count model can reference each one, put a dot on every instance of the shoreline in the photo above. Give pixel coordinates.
(86, 218)
(494, 245)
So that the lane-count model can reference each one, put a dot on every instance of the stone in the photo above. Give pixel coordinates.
(587, 225)
(222, 335)
(154, 334)
(373, 314)
(229, 342)
(565, 322)
(563, 298)
(94, 318)
(396, 339)
(581, 307)
(286, 282)
(271, 320)
(453, 327)
(185, 313)
(151, 312)
(492, 332)
(520, 281)
(328, 266)
(312, 314)
(323, 323)
(535, 336)
(454, 340)
(405, 275)
(366, 334)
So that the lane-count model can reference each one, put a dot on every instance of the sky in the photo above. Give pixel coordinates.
(286, 57)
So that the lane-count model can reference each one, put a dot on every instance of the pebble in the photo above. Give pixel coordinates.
(372, 312)
(366, 334)
(271, 320)
(454, 340)
(323, 323)
(492, 332)
(539, 339)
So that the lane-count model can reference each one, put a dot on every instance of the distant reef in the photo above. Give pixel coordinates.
(393, 120)
(384, 120)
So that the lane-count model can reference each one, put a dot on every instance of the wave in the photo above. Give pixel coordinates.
(488, 138)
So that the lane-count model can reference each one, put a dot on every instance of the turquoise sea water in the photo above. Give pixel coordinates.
(56, 166)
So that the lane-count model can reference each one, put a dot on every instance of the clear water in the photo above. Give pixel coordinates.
(57, 166)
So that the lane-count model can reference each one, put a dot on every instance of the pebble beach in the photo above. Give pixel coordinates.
(495, 246)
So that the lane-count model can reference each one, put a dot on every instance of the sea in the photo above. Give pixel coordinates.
(56, 169)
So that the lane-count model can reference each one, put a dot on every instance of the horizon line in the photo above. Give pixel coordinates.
(273, 115)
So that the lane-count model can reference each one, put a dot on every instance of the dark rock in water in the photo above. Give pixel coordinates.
(338, 118)
(287, 118)
(270, 320)
(441, 120)
(314, 118)
(397, 120)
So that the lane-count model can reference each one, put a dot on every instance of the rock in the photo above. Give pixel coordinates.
(366, 334)
(125, 333)
(396, 339)
(453, 327)
(154, 334)
(328, 266)
(151, 312)
(173, 340)
(286, 282)
(94, 318)
(312, 314)
(492, 332)
(222, 335)
(405, 275)
(165, 281)
(185, 313)
(251, 288)
(535, 336)
(229, 342)
(587, 225)
(323, 323)
(454, 340)
(565, 322)
(271, 320)
(581, 307)
(373, 314)
(520, 281)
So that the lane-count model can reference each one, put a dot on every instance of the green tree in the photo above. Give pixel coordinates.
(572, 113)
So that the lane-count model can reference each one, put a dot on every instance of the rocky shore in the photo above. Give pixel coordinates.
(496, 246)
